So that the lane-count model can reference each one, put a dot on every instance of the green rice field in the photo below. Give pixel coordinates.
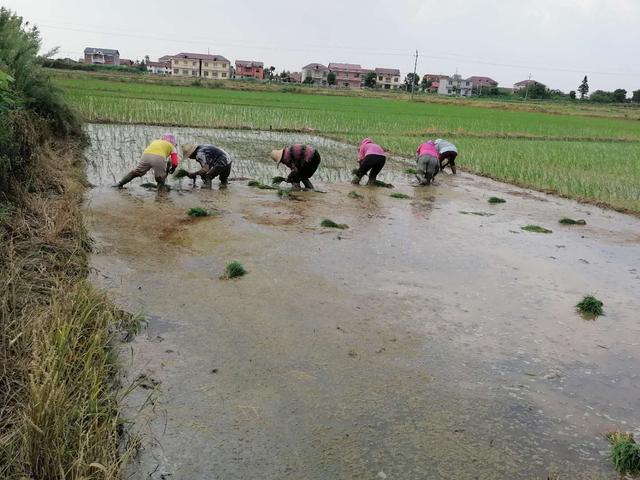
(591, 158)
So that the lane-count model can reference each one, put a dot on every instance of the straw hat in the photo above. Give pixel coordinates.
(276, 155)
(188, 149)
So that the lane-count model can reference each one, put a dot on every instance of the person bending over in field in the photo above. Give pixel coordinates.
(303, 160)
(371, 159)
(161, 156)
(447, 153)
(213, 161)
(428, 164)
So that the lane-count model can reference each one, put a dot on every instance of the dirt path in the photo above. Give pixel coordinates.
(422, 342)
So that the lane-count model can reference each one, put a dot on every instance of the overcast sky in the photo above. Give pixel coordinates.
(556, 41)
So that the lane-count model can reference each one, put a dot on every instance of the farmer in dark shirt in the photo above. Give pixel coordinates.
(303, 160)
(213, 161)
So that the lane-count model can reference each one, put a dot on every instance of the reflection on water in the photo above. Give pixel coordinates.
(115, 149)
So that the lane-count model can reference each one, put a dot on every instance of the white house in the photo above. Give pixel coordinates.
(455, 85)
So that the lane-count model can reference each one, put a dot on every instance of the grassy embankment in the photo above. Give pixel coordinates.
(58, 408)
(571, 151)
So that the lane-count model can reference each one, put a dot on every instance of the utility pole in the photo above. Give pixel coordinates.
(413, 80)
(526, 92)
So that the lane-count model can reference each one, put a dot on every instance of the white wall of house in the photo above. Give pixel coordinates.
(455, 85)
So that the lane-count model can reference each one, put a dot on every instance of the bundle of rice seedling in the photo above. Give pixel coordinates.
(234, 270)
(331, 224)
(277, 180)
(355, 195)
(260, 185)
(570, 221)
(379, 183)
(497, 200)
(197, 212)
(625, 452)
(149, 185)
(590, 306)
(536, 229)
(181, 173)
(282, 193)
(399, 195)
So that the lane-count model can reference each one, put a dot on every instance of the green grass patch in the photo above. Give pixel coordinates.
(536, 229)
(399, 195)
(625, 452)
(197, 212)
(590, 306)
(497, 200)
(234, 270)
(331, 224)
(570, 221)
(354, 195)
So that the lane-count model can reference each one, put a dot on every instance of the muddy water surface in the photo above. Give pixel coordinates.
(422, 342)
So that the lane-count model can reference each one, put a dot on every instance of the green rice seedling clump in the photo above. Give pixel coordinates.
(497, 200)
(625, 452)
(480, 214)
(379, 183)
(149, 185)
(331, 224)
(197, 212)
(591, 306)
(353, 194)
(536, 229)
(181, 173)
(233, 270)
(260, 185)
(570, 221)
(282, 193)
(277, 180)
(399, 195)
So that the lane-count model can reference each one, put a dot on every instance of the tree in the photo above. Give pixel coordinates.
(619, 95)
(636, 96)
(308, 80)
(535, 91)
(411, 81)
(425, 84)
(600, 96)
(285, 76)
(331, 78)
(584, 88)
(370, 80)
(572, 94)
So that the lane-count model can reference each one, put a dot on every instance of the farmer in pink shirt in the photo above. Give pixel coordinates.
(427, 162)
(371, 159)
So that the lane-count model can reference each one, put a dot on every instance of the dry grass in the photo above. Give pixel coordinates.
(58, 407)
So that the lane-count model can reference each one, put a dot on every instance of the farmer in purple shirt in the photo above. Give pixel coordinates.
(303, 160)
(371, 159)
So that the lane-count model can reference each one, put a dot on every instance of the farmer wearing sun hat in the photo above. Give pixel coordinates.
(303, 160)
(213, 161)
(371, 159)
(160, 155)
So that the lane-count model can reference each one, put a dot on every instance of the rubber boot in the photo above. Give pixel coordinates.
(372, 181)
(126, 179)
(295, 186)
(356, 180)
(307, 184)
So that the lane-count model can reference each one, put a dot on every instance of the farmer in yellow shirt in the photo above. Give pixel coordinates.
(161, 156)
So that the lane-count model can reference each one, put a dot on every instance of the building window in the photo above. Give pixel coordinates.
(193, 64)
(206, 64)
(214, 74)
(176, 71)
(380, 78)
(224, 65)
(395, 79)
(185, 72)
(224, 75)
(206, 74)
(194, 73)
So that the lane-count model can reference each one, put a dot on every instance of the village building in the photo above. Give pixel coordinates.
(101, 56)
(388, 78)
(159, 67)
(524, 84)
(315, 73)
(478, 83)
(350, 75)
(455, 85)
(249, 69)
(201, 65)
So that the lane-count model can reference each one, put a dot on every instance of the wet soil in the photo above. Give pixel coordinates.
(422, 342)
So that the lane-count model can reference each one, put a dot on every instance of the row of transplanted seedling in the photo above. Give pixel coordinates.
(115, 149)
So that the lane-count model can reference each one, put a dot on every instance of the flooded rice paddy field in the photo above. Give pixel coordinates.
(421, 342)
